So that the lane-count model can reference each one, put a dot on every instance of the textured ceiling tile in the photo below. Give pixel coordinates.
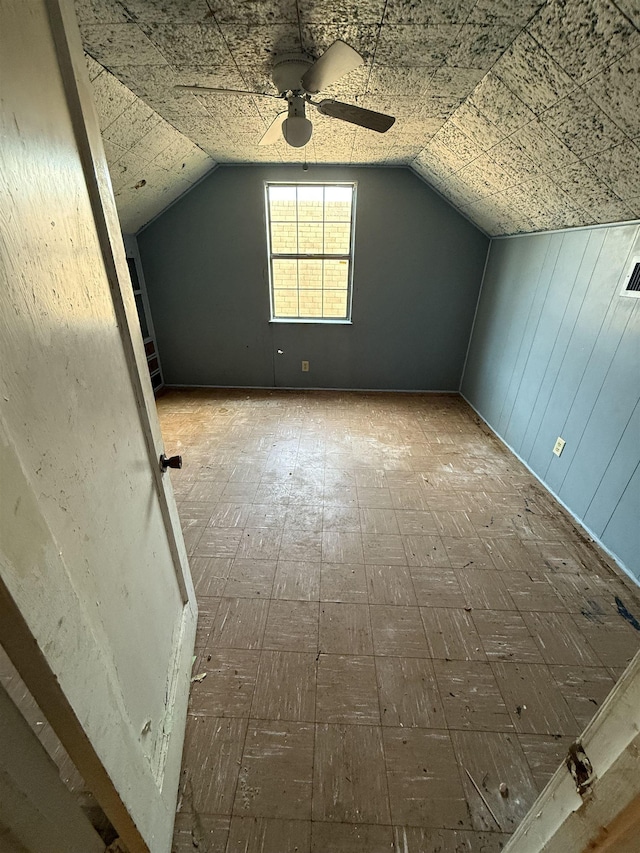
(476, 126)
(316, 38)
(616, 91)
(588, 192)
(341, 11)
(434, 12)
(487, 175)
(350, 87)
(165, 11)
(441, 108)
(146, 81)
(631, 9)
(480, 45)
(458, 143)
(189, 44)
(512, 158)
(487, 11)
(415, 131)
(112, 151)
(136, 121)
(254, 12)
(389, 80)
(545, 149)
(448, 82)
(618, 168)
(180, 150)
(528, 71)
(458, 191)
(401, 154)
(101, 12)
(111, 98)
(249, 44)
(401, 108)
(582, 125)
(94, 68)
(120, 44)
(500, 105)
(415, 44)
(432, 167)
(584, 36)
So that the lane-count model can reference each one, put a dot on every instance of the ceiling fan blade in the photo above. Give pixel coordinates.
(274, 132)
(199, 90)
(356, 115)
(337, 60)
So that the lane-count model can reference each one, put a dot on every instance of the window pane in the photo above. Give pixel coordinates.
(310, 204)
(285, 303)
(336, 275)
(284, 238)
(285, 274)
(337, 204)
(283, 211)
(310, 238)
(337, 236)
(310, 274)
(334, 304)
(282, 193)
(311, 303)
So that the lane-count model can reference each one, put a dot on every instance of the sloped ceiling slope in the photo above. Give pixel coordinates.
(525, 115)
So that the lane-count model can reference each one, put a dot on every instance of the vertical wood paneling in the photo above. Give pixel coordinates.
(555, 351)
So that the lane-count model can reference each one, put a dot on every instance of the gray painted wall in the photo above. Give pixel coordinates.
(417, 271)
(555, 352)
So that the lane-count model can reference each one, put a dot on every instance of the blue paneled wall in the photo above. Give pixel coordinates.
(555, 351)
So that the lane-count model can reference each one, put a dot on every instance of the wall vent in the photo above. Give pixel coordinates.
(631, 281)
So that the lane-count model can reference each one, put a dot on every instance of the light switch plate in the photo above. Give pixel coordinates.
(558, 447)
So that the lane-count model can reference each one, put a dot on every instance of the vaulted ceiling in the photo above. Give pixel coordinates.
(524, 115)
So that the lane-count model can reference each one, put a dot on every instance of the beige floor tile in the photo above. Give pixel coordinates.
(505, 636)
(212, 752)
(416, 522)
(304, 517)
(227, 689)
(544, 754)
(345, 629)
(349, 783)
(343, 582)
(297, 581)
(424, 780)
(469, 553)
(374, 497)
(471, 696)
(510, 555)
(407, 497)
(415, 839)
(560, 640)
(285, 687)
(250, 579)
(380, 521)
(275, 776)
(217, 542)
(398, 631)
(390, 585)
(209, 575)
(265, 515)
(436, 587)
(230, 515)
(346, 690)
(207, 609)
(381, 549)
(533, 591)
(341, 546)
(259, 543)
(451, 634)
(239, 624)
(493, 758)
(203, 832)
(351, 838)
(454, 523)
(584, 688)
(485, 589)
(262, 835)
(345, 518)
(301, 545)
(614, 640)
(409, 695)
(534, 701)
(425, 551)
(292, 626)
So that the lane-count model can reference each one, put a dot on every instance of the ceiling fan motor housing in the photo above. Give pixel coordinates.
(288, 72)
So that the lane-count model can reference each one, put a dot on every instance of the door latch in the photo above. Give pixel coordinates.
(170, 462)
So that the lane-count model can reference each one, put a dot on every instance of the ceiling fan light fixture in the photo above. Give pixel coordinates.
(297, 131)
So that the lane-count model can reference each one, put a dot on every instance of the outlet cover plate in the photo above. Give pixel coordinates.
(305, 366)
(558, 447)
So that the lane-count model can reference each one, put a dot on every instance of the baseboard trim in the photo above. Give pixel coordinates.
(170, 387)
(590, 533)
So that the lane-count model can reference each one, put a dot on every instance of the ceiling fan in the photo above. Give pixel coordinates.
(298, 77)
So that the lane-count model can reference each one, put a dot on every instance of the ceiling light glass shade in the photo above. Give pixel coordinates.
(297, 131)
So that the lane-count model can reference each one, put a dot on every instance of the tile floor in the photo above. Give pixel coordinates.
(390, 607)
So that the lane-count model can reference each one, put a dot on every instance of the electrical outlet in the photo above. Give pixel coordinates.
(305, 366)
(558, 447)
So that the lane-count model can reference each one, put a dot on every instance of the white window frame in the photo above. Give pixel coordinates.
(298, 256)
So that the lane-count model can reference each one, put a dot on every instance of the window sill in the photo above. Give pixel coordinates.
(312, 321)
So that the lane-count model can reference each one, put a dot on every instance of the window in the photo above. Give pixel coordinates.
(310, 236)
